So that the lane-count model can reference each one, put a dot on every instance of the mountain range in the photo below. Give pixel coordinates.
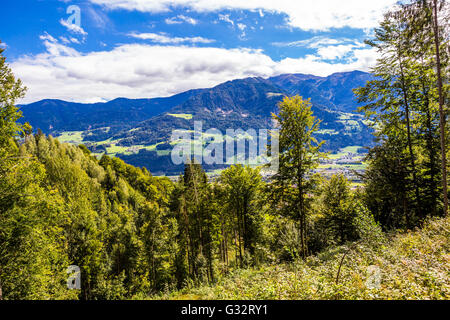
(138, 130)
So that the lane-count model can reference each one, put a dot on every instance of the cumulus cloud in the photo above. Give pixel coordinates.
(146, 71)
(54, 48)
(181, 19)
(303, 14)
(165, 39)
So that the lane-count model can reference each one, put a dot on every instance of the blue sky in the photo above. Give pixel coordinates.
(150, 48)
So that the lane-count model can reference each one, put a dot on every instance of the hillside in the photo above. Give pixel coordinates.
(54, 116)
(413, 265)
(332, 93)
(139, 131)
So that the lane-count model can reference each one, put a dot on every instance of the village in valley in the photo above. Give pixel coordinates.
(349, 162)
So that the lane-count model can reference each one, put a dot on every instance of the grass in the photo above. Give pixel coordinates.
(163, 152)
(346, 116)
(114, 149)
(328, 131)
(412, 265)
(74, 137)
(356, 166)
(273, 94)
(345, 151)
(351, 149)
(185, 116)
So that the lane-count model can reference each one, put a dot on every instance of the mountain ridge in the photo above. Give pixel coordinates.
(133, 129)
(44, 124)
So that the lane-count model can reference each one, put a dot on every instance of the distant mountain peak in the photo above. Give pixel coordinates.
(238, 104)
(255, 95)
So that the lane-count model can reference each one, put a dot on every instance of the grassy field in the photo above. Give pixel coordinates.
(113, 148)
(73, 137)
(345, 152)
(412, 265)
(185, 116)
(328, 131)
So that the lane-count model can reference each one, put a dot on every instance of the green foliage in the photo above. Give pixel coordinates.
(299, 155)
(403, 177)
(33, 258)
(338, 208)
(298, 236)
(195, 217)
(59, 206)
(11, 89)
(241, 207)
(412, 266)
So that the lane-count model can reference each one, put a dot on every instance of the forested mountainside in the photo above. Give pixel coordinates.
(333, 92)
(139, 131)
(57, 116)
(255, 95)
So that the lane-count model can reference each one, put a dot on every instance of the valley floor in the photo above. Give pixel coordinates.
(412, 265)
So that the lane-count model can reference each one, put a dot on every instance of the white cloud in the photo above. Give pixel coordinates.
(74, 40)
(72, 27)
(64, 40)
(67, 41)
(146, 71)
(47, 37)
(327, 48)
(241, 26)
(226, 18)
(363, 60)
(336, 52)
(98, 18)
(312, 43)
(165, 39)
(303, 14)
(181, 19)
(54, 48)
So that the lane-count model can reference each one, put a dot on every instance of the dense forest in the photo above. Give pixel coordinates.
(137, 236)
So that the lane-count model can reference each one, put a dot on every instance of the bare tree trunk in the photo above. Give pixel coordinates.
(1, 292)
(441, 105)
